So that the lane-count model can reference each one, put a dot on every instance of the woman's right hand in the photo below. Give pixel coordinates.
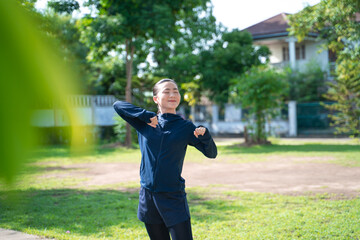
(154, 122)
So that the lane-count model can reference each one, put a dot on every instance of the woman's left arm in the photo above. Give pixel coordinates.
(203, 142)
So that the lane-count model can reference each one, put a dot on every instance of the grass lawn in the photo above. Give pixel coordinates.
(59, 208)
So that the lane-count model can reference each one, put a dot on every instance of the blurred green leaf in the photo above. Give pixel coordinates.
(32, 74)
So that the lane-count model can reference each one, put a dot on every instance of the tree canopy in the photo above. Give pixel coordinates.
(230, 57)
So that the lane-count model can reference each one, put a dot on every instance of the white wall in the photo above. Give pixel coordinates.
(93, 110)
(233, 123)
(276, 53)
(312, 53)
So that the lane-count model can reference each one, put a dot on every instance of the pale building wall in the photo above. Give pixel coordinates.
(313, 53)
(276, 53)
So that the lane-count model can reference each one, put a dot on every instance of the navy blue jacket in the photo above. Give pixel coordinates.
(163, 148)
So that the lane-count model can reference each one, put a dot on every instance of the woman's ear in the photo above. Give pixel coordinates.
(155, 99)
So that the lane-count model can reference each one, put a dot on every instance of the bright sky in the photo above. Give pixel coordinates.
(244, 13)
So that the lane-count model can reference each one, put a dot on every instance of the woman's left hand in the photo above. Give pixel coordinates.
(199, 131)
(153, 122)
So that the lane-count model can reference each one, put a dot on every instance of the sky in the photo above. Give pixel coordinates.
(245, 13)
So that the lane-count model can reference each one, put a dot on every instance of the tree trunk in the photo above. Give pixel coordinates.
(259, 125)
(129, 64)
(246, 136)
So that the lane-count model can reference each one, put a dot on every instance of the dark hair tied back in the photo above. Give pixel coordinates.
(156, 86)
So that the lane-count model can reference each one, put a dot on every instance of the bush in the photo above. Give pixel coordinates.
(120, 129)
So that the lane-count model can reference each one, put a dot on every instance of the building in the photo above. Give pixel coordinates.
(285, 49)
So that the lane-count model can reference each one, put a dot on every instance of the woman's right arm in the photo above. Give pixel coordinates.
(135, 116)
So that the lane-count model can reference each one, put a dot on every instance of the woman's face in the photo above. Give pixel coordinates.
(168, 97)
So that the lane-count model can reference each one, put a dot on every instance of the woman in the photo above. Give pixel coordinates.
(163, 140)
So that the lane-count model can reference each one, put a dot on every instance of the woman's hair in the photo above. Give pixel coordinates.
(156, 86)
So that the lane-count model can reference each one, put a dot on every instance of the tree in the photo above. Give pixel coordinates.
(346, 94)
(230, 57)
(337, 23)
(62, 29)
(261, 90)
(181, 59)
(129, 27)
(64, 6)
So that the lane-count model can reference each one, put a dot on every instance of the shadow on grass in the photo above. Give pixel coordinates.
(38, 169)
(63, 151)
(87, 213)
(290, 148)
(78, 211)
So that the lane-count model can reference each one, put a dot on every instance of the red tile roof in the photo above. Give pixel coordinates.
(273, 25)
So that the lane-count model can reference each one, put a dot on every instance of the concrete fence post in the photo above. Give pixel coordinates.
(215, 113)
(292, 119)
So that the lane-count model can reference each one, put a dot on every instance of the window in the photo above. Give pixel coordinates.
(299, 53)
(332, 56)
(303, 52)
(285, 52)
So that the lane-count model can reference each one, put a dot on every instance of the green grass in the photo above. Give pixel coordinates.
(110, 214)
(62, 209)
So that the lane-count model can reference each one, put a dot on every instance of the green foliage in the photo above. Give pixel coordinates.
(144, 24)
(107, 76)
(230, 57)
(102, 35)
(181, 58)
(346, 94)
(192, 92)
(308, 85)
(64, 6)
(261, 90)
(119, 129)
(32, 75)
(335, 22)
(63, 31)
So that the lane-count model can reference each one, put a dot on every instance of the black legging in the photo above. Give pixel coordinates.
(180, 231)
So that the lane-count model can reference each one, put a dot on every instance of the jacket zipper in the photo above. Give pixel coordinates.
(157, 159)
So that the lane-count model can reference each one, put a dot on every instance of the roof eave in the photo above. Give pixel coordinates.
(276, 35)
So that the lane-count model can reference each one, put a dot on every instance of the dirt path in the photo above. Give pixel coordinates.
(284, 176)
(290, 175)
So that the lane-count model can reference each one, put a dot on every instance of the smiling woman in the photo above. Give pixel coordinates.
(163, 140)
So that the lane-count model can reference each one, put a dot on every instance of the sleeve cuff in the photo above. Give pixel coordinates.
(146, 116)
(206, 136)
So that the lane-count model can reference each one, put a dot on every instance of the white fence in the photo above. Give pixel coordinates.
(98, 111)
(233, 122)
(94, 110)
